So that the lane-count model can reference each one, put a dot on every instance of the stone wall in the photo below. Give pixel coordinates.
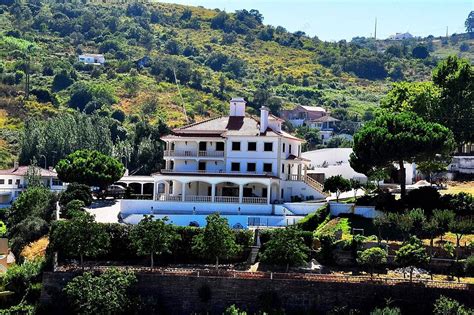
(186, 295)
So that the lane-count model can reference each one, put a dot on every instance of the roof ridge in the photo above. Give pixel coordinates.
(199, 122)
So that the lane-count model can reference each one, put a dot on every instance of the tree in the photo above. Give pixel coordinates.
(432, 229)
(217, 240)
(153, 237)
(411, 255)
(447, 306)
(90, 168)
(337, 184)
(455, 78)
(356, 185)
(470, 23)
(75, 191)
(461, 227)
(107, 293)
(372, 258)
(286, 247)
(80, 236)
(420, 52)
(398, 138)
(469, 266)
(386, 311)
(444, 219)
(311, 135)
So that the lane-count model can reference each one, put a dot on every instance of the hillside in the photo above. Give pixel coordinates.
(214, 56)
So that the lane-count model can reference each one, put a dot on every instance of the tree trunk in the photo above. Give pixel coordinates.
(411, 273)
(152, 262)
(458, 241)
(337, 196)
(82, 261)
(287, 267)
(217, 262)
(431, 247)
(402, 176)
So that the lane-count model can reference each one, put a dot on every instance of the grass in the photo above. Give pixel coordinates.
(457, 187)
(333, 225)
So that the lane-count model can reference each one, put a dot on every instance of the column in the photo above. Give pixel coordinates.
(213, 192)
(241, 193)
(141, 188)
(269, 192)
(183, 191)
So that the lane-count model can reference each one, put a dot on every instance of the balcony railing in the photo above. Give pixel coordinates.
(191, 153)
(217, 199)
(220, 172)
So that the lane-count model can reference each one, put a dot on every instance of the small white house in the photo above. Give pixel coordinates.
(92, 59)
(14, 180)
(401, 36)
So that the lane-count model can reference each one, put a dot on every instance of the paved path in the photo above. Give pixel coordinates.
(105, 211)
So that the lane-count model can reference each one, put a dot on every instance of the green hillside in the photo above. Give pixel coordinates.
(214, 56)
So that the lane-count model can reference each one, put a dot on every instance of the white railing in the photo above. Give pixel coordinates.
(168, 198)
(198, 198)
(216, 172)
(180, 153)
(225, 199)
(211, 153)
(255, 200)
(314, 183)
(295, 178)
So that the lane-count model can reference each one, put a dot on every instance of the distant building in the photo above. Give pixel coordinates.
(93, 59)
(114, 1)
(14, 180)
(401, 36)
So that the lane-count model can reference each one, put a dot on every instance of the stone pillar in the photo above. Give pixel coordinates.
(241, 193)
(213, 192)
(141, 188)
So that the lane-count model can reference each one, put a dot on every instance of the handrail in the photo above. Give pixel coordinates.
(226, 199)
(211, 153)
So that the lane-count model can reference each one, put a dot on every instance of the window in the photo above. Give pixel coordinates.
(219, 146)
(235, 146)
(289, 148)
(202, 166)
(268, 146)
(284, 147)
(251, 167)
(235, 167)
(171, 165)
(10, 181)
(283, 168)
(57, 182)
(264, 192)
(2, 182)
(267, 167)
(252, 146)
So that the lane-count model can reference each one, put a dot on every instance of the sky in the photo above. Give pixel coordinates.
(333, 20)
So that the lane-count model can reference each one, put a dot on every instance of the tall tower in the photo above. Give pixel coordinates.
(375, 31)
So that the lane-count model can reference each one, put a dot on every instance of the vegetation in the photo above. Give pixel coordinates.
(398, 138)
(372, 258)
(91, 168)
(153, 237)
(75, 191)
(286, 248)
(337, 184)
(80, 236)
(448, 306)
(411, 255)
(107, 293)
(217, 241)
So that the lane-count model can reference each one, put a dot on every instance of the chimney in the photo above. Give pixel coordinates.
(16, 165)
(264, 111)
(237, 107)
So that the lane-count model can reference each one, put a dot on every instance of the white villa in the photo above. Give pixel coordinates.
(235, 164)
(93, 59)
(14, 180)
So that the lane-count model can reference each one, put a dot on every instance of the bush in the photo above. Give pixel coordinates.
(75, 191)
(21, 279)
(469, 266)
(447, 306)
(426, 198)
(22, 308)
(313, 220)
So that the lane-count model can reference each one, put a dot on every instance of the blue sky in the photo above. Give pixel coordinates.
(344, 19)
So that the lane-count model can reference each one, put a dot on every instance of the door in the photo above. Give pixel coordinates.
(202, 146)
(202, 166)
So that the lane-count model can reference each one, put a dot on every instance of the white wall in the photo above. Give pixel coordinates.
(349, 208)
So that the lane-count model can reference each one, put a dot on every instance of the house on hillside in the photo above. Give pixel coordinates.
(325, 125)
(401, 36)
(14, 180)
(92, 59)
(238, 165)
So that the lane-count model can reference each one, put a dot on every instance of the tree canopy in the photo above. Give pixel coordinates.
(217, 241)
(337, 184)
(90, 168)
(398, 138)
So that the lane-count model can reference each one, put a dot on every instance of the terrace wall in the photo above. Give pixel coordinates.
(184, 294)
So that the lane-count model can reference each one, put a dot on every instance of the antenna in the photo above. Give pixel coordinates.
(181, 96)
(375, 32)
(447, 32)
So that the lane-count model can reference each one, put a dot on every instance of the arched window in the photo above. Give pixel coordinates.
(194, 223)
(161, 188)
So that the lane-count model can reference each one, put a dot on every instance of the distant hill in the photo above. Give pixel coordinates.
(212, 54)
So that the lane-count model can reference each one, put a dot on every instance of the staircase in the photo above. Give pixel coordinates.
(311, 182)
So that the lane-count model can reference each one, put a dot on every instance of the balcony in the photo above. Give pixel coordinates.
(191, 153)
(214, 172)
(218, 199)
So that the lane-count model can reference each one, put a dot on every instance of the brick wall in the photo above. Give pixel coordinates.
(181, 295)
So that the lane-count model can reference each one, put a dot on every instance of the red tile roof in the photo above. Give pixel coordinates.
(23, 170)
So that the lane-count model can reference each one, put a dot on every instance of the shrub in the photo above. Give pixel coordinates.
(313, 220)
(75, 191)
(372, 258)
(448, 306)
(469, 266)
(20, 279)
(426, 198)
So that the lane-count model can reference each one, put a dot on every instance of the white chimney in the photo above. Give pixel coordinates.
(264, 111)
(16, 165)
(237, 107)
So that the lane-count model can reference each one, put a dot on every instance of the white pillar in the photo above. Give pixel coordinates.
(213, 192)
(269, 192)
(141, 188)
(183, 191)
(241, 193)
